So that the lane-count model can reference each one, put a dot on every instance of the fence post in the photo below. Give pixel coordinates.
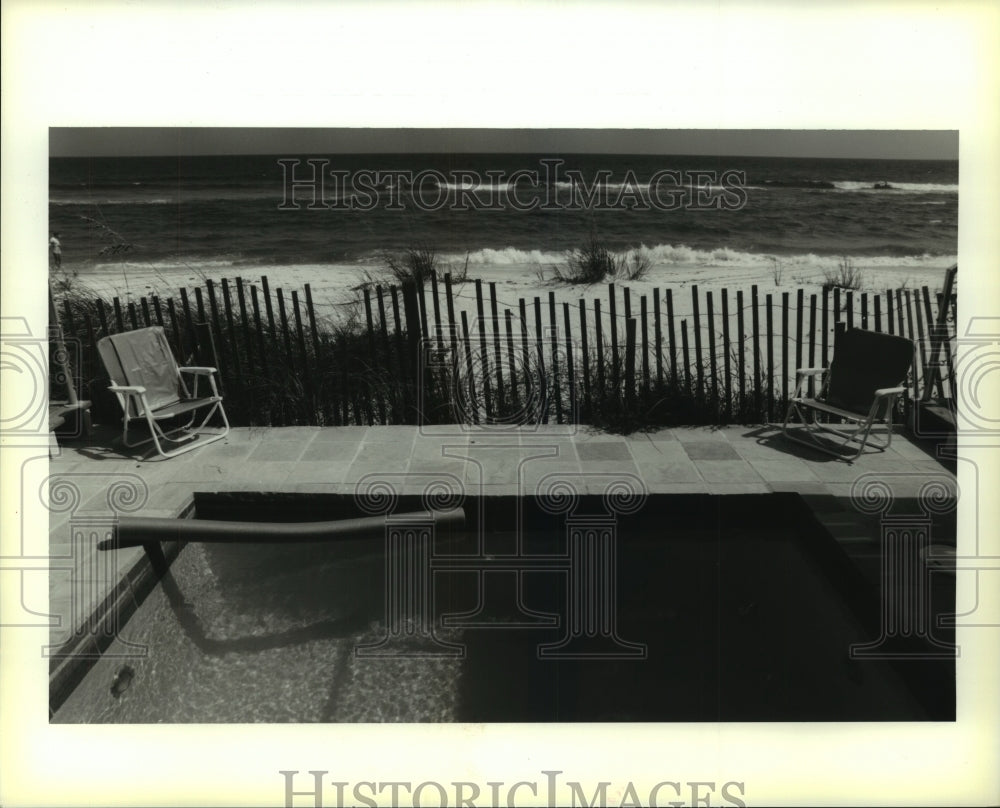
(630, 364)
(671, 336)
(784, 350)
(483, 355)
(511, 365)
(585, 361)
(554, 338)
(469, 367)
(658, 339)
(572, 403)
(643, 313)
(741, 342)
(713, 367)
(755, 324)
(542, 378)
(687, 356)
(613, 324)
(411, 309)
(372, 357)
(727, 369)
(699, 368)
(498, 360)
(599, 340)
(231, 326)
(770, 355)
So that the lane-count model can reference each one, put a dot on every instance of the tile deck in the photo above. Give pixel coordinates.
(725, 460)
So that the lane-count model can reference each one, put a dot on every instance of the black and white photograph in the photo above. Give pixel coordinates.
(573, 460)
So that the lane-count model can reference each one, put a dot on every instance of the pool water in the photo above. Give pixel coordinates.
(741, 609)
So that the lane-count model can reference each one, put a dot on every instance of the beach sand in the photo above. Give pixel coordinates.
(336, 289)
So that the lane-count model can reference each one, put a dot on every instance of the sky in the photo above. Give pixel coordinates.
(136, 141)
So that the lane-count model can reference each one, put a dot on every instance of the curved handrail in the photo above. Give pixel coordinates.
(136, 531)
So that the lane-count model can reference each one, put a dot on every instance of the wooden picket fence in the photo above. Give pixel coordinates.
(419, 357)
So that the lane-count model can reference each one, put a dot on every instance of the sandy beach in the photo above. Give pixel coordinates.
(337, 288)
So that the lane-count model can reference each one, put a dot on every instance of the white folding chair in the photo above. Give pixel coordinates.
(151, 388)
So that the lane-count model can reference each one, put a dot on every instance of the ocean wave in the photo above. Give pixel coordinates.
(905, 187)
(678, 255)
(91, 202)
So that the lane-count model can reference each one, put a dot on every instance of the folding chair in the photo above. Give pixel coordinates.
(151, 387)
(860, 386)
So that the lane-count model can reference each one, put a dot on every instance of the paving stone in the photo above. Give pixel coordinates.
(447, 474)
(339, 451)
(589, 434)
(335, 434)
(589, 452)
(486, 439)
(710, 450)
(393, 456)
(422, 484)
(262, 474)
(429, 446)
(699, 434)
(783, 470)
(391, 434)
(318, 472)
(499, 469)
(270, 451)
(798, 486)
(727, 471)
(610, 467)
(534, 475)
(223, 450)
(597, 484)
(669, 487)
(836, 471)
(658, 452)
(303, 434)
(725, 489)
(658, 436)
(316, 488)
(674, 471)
(769, 449)
(303, 459)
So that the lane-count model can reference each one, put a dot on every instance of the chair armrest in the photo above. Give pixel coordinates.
(198, 370)
(811, 371)
(889, 391)
(134, 389)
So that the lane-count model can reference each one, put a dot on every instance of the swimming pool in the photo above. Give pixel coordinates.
(736, 608)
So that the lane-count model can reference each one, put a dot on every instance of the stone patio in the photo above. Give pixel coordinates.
(481, 461)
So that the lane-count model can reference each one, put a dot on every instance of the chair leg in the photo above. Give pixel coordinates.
(157, 434)
(811, 426)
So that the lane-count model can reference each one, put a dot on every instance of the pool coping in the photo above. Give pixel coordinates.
(734, 460)
(72, 660)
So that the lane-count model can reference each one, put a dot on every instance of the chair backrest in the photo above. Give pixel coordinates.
(142, 357)
(863, 362)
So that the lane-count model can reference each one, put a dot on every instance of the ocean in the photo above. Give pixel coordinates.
(226, 215)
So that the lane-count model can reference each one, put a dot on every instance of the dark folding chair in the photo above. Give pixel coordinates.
(151, 387)
(866, 375)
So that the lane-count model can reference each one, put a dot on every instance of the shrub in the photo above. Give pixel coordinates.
(594, 261)
(846, 276)
(633, 265)
(777, 271)
(415, 265)
(589, 264)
